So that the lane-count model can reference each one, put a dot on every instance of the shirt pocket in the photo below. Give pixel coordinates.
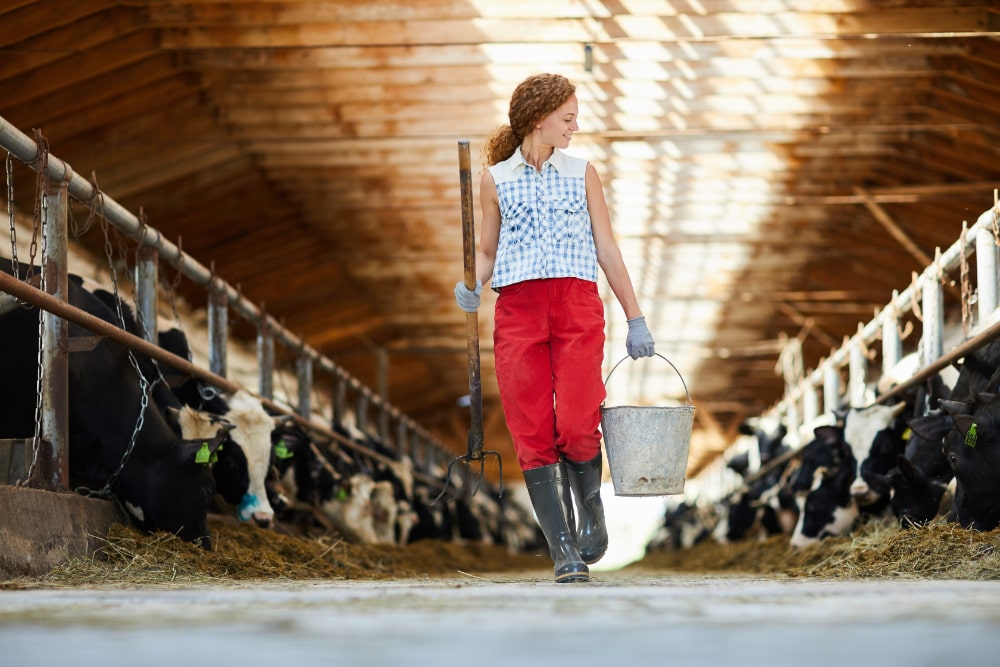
(515, 228)
(571, 219)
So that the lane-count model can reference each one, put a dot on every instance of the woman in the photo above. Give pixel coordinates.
(545, 230)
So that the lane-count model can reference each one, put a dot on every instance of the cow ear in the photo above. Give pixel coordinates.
(199, 452)
(932, 427)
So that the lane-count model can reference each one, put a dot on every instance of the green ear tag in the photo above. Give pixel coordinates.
(971, 436)
(341, 494)
(281, 450)
(203, 455)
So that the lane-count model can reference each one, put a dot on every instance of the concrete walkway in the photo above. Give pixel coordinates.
(621, 619)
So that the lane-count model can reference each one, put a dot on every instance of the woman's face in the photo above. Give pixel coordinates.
(558, 127)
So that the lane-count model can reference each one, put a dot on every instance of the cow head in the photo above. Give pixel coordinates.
(175, 492)
(972, 449)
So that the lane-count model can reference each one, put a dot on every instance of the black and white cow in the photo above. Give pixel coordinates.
(875, 436)
(241, 468)
(759, 507)
(823, 488)
(164, 482)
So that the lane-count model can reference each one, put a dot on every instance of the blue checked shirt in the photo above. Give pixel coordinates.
(545, 229)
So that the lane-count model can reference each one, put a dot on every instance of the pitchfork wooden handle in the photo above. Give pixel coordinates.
(475, 445)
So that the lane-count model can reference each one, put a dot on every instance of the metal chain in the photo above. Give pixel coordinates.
(10, 214)
(147, 389)
(40, 367)
(144, 384)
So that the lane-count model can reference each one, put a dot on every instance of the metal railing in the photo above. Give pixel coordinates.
(407, 438)
(799, 408)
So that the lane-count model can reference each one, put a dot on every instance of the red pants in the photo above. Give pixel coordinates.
(548, 342)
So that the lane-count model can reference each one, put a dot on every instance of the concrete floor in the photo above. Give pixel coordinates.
(622, 618)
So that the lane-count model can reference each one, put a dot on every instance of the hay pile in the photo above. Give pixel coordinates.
(243, 553)
(879, 549)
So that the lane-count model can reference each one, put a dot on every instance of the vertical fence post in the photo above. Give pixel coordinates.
(401, 433)
(382, 357)
(858, 371)
(986, 273)
(146, 283)
(304, 372)
(931, 342)
(831, 387)
(361, 411)
(218, 329)
(53, 466)
(265, 359)
(339, 401)
(810, 402)
(892, 346)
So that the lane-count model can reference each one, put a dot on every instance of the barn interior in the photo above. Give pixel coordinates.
(774, 169)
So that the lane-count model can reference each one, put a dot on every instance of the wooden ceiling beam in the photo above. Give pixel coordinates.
(102, 93)
(262, 26)
(60, 26)
(74, 68)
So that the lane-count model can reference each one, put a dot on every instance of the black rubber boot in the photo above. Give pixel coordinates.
(592, 531)
(549, 493)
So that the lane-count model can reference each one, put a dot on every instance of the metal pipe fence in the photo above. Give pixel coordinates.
(408, 438)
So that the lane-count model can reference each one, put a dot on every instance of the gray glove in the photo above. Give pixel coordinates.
(639, 342)
(468, 300)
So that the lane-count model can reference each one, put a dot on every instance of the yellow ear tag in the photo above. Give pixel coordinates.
(971, 436)
(203, 455)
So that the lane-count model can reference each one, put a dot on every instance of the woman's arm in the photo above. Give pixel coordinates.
(609, 255)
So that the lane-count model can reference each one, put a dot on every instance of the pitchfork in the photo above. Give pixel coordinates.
(475, 453)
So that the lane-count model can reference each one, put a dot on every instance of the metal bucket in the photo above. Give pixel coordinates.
(647, 447)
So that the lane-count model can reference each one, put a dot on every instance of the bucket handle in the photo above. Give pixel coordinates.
(686, 392)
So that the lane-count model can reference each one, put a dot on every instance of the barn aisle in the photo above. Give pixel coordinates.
(625, 617)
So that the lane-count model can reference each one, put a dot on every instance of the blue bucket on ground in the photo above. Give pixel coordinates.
(647, 447)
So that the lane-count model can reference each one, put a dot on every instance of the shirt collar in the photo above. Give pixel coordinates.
(557, 160)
